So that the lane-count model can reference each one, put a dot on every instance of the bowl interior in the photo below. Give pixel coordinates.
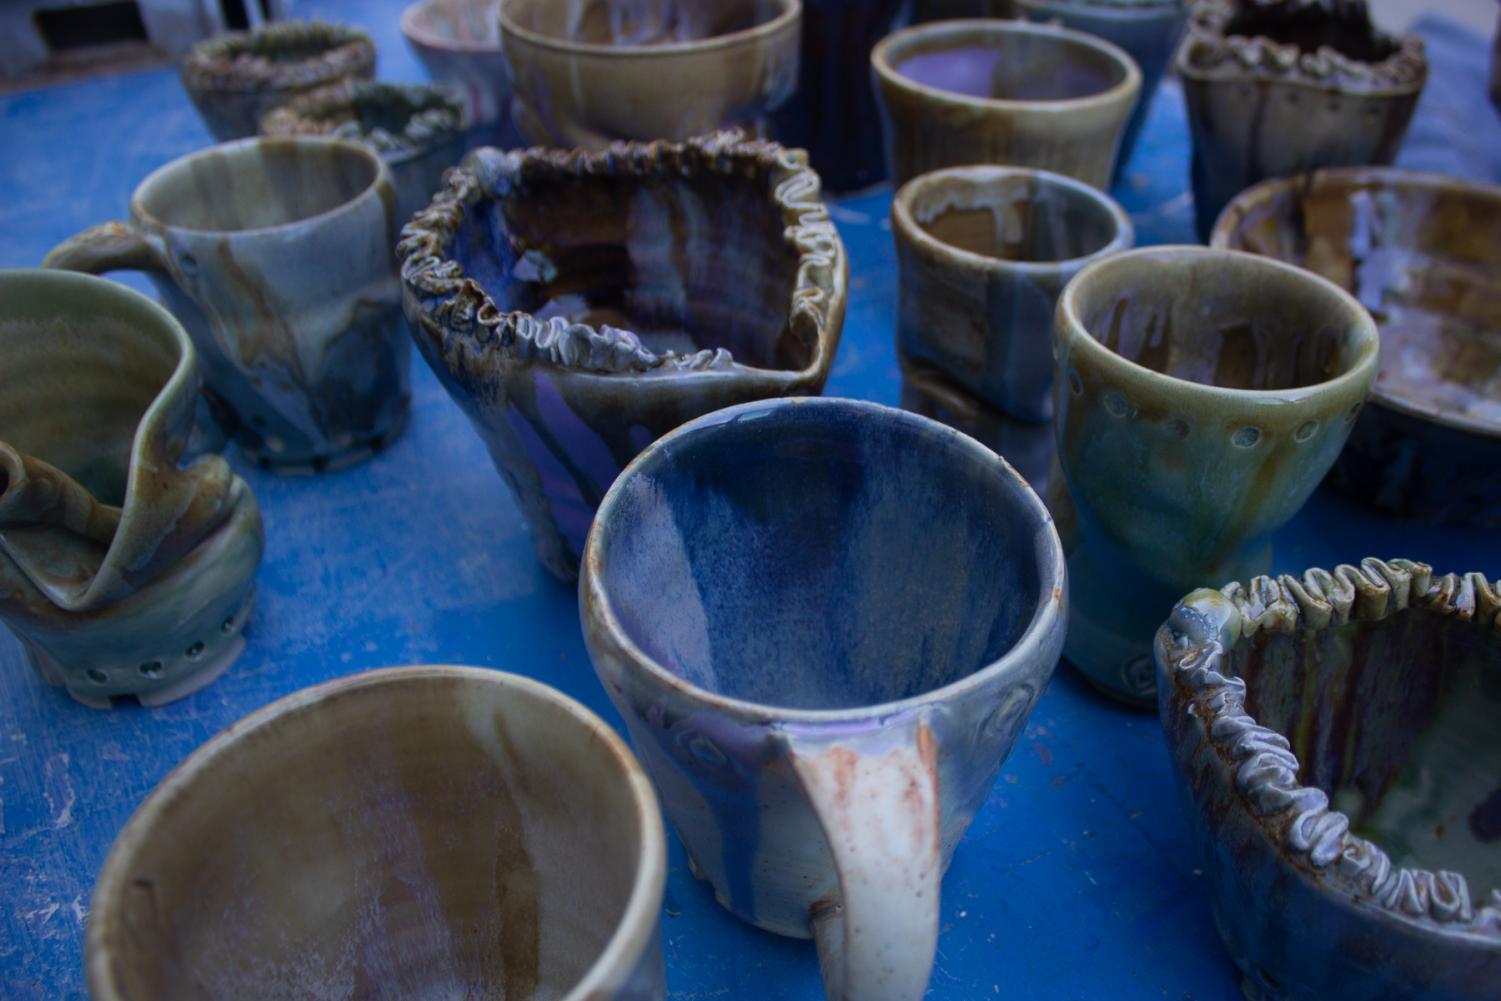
(1014, 217)
(461, 22)
(822, 555)
(1007, 65)
(631, 23)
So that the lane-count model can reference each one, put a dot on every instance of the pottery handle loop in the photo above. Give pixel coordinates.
(109, 246)
(877, 801)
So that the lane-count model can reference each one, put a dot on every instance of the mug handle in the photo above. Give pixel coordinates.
(109, 246)
(876, 798)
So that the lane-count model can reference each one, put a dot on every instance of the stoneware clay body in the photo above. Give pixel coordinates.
(579, 305)
(1276, 89)
(955, 93)
(458, 42)
(1423, 254)
(235, 78)
(1200, 397)
(417, 832)
(589, 72)
(820, 685)
(124, 568)
(276, 255)
(1333, 738)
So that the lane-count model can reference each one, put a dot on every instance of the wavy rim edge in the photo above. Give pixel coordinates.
(236, 60)
(433, 115)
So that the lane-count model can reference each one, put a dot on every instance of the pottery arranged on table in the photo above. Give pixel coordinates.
(1333, 737)
(1201, 395)
(821, 685)
(458, 42)
(126, 566)
(276, 256)
(1276, 89)
(954, 93)
(437, 832)
(589, 72)
(579, 305)
(235, 78)
(1423, 254)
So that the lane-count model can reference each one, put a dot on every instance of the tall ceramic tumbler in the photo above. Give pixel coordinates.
(821, 686)
(1201, 395)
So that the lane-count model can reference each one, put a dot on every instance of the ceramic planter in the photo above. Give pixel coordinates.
(235, 78)
(579, 305)
(458, 43)
(126, 568)
(1334, 745)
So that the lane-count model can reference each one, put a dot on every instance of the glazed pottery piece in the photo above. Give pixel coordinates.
(949, 10)
(1333, 738)
(1201, 395)
(126, 568)
(276, 256)
(820, 685)
(589, 72)
(1279, 88)
(1423, 254)
(416, 832)
(458, 42)
(983, 254)
(1496, 69)
(418, 130)
(1148, 30)
(579, 305)
(955, 93)
(235, 78)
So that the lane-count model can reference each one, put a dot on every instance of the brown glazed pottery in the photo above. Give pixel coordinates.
(588, 72)
(235, 78)
(458, 43)
(1423, 254)
(1334, 742)
(954, 93)
(415, 832)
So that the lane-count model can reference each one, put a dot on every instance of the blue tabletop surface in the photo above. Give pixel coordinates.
(1076, 880)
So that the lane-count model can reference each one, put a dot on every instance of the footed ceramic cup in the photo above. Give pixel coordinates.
(821, 685)
(416, 832)
(126, 567)
(276, 255)
(1201, 395)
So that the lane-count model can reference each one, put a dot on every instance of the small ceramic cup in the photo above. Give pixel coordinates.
(1200, 397)
(276, 256)
(955, 93)
(235, 78)
(984, 253)
(820, 685)
(589, 72)
(125, 568)
(440, 832)
(458, 42)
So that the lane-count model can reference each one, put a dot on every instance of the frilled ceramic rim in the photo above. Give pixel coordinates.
(1376, 179)
(415, 33)
(633, 933)
(333, 111)
(447, 295)
(1189, 648)
(906, 226)
(235, 61)
(888, 53)
(1362, 369)
(1048, 551)
(792, 12)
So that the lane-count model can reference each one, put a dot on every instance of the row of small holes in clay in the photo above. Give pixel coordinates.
(153, 668)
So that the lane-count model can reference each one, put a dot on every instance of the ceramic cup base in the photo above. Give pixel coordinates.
(360, 449)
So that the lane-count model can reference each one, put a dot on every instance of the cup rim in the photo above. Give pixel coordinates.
(1048, 551)
(1119, 10)
(421, 36)
(792, 11)
(633, 932)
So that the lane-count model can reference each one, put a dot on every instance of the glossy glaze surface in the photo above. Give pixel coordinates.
(458, 43)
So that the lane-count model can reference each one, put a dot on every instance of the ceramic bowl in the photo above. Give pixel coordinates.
(955, 93)
(1423, 254)
(458, 43)
(1333, 739)
(579, 305)
(588, 72)
(235, 78)
(427, 832)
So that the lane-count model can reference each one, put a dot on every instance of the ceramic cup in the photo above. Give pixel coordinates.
(588, 72)
(125, 567)
(984, 253)
(421, 832)
(821, 685)
(276, 256)
(1200, 396)
(458, 43)
(955, 93)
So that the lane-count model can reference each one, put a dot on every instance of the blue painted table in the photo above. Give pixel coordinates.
(1076, 880)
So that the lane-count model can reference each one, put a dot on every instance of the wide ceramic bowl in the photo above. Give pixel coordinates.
(458, 43)
(1423, 254)
(1334, 742)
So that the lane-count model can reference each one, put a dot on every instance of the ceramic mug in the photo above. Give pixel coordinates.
(820, 685)
(276, 255)
(414, 832)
